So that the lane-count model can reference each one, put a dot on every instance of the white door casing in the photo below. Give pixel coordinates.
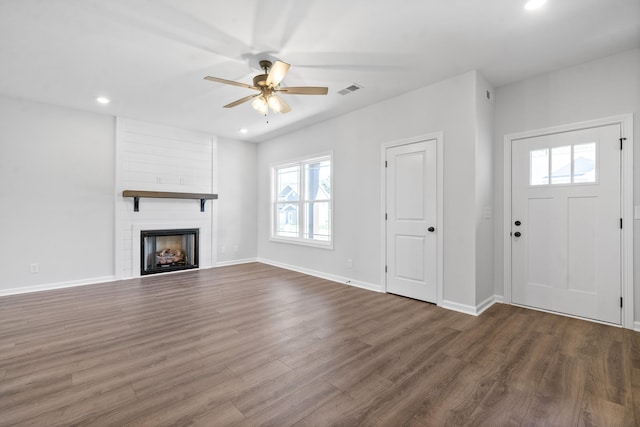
(411, 213)
(572, 257)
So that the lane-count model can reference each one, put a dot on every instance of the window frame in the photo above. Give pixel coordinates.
(572, 176)
(302, 200)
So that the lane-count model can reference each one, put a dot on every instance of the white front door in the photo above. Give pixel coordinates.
(411, 198)
(566, 226)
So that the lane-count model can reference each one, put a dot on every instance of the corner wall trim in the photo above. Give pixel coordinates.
(484, 305)
(322, 275)
(469, 309)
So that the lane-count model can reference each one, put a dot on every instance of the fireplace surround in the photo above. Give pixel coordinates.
(168, 250)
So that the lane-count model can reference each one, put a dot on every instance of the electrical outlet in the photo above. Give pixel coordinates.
(34, 268)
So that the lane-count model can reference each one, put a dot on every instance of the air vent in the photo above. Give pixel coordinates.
(349, 89)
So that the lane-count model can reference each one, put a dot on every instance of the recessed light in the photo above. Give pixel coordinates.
(534, 4)
(243, 130)
(102, 100)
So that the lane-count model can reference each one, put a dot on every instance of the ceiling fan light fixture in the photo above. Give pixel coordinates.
(275, 104)
(260, 105)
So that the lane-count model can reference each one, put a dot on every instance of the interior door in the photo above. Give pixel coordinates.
(566, 223)
(411, 210)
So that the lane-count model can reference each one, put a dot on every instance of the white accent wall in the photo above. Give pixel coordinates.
(56, 196)
(603, 88)
(152, 157)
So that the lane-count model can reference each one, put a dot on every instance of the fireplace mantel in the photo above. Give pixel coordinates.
(138, 194)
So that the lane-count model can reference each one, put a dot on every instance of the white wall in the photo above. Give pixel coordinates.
(237, 214)
(355, 140)
(56, 195)
(606, 87)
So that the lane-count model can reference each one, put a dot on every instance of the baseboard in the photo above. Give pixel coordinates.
(484, 305)
(323, 275)
(461, 308)
(470, 309)
(236, 262)
(636, 326)
(59, 285)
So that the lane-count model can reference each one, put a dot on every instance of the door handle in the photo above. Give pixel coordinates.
(431, 229)
(517, 234)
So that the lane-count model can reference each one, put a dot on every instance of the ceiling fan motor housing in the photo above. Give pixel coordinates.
(265, 65)
(260, 80)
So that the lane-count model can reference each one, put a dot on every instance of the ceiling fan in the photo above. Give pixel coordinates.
(268, 86)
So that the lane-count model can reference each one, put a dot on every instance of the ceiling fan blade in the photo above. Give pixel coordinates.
(304, 90)
(230, 82)
(277, 73)
(241, 101)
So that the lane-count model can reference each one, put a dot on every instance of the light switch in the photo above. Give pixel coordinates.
(487, 213)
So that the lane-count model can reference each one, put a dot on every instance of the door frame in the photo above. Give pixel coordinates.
(438, 136)
(626, 125)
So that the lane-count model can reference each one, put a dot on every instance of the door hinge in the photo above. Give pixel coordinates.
(386, 164)
(385, 269)
(621, 223)
(621, 141)
(385, 216)
(620, 302)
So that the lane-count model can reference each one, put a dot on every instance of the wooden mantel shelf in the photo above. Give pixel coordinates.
(137, 194)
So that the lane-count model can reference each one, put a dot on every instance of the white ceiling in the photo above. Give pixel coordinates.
(150, 56)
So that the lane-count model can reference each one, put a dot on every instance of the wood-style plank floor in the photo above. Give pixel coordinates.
(257, 345)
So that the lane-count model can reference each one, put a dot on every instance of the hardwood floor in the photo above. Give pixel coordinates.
(258, 345)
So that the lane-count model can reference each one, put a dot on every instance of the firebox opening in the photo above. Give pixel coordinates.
(168, 250)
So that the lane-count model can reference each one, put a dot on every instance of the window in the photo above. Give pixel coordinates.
(569, 164)
(302, 207)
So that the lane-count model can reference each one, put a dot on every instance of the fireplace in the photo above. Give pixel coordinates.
(168, 250)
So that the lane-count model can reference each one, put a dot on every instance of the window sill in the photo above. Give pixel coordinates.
(300, 242)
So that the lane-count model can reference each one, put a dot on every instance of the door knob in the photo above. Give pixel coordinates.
(431, 229)
(517, 234)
